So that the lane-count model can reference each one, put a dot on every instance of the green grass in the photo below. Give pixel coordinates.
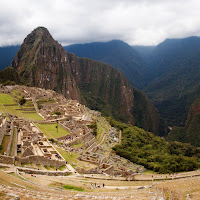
(70, 158)
(7, 99)
(102, 127)
(50, 130)
(70, 187)
(78, 145)
(16, 93)
(148, 172)
(62, 168)
(5, 142)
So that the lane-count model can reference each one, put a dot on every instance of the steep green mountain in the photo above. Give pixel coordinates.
(6, 55)
(116, 53)
(155, 153)
(174, 70)
(191, 132)
(42, 62)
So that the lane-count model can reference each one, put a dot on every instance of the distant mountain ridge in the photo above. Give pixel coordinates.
(174, 72)
(116, 53)
(42, 62)
(6, 55)
(168, 73)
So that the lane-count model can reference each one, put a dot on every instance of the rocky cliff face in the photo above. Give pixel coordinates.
(191, 132)
(193, 124)
(42, 62)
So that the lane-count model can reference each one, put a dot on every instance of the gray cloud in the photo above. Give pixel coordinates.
(137, 22)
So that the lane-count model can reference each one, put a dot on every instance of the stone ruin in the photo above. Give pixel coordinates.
(33, 147)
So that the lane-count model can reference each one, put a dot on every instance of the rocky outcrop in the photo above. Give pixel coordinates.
(42, 62)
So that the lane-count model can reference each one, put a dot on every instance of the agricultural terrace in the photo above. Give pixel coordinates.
(6, 99)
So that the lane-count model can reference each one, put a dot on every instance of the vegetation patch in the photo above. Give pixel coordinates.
(155, 153)
(62, 168)
(22, 101)
(70, 187)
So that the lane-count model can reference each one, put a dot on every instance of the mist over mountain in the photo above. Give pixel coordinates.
(116, 53)
(144, 51)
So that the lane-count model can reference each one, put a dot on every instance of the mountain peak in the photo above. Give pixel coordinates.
(42, 62)
(40, 32)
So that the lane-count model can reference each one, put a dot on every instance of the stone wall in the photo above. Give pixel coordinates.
(15, 139)
(64, 127)
(109, 170)
(81, 139)
(40, 160)
(45, 122)
(7, 159)
(11, 137)
(3, 130)
(41, 172)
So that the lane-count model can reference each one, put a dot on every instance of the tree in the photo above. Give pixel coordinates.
(22, 101)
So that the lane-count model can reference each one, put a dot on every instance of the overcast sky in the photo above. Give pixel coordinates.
(137, 22)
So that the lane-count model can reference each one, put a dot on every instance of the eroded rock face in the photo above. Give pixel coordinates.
(42, 62)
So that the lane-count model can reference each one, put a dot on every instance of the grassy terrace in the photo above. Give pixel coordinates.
(7, 99)
(78, 145)
(5, 143)
(50, 130)
(72, 159)
(102, 127)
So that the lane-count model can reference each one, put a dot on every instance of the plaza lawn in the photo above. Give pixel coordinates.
(50, 130)
(7, 99)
